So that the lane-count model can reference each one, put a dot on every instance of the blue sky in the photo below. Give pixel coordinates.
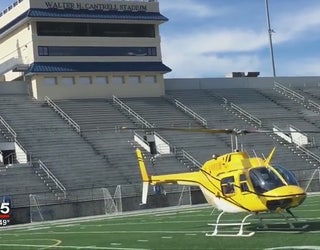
(211, 38)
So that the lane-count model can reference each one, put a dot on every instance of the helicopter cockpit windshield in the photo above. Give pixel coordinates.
(287, 175)
(265, 179)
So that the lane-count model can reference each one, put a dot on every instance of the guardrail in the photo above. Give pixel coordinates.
(246, 114)
(190, 112)
(56, 108)
(131, 112)
(289, 91)
(53, 178)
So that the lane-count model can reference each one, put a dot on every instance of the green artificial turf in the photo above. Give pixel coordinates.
(183, 228)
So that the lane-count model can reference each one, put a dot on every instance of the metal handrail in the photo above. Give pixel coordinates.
(191, 112)
(246, 114)
(140, 137)
(298, 130)
(160, 137)
(278, 128)
(9, 158)
(289, 91)
(52, 177)
(310, 154)
(314, 105)
(14, 134)
(189, 157)
(304, 150)
(63, 114)
(137, 116)
(8, 127)
(131, 112)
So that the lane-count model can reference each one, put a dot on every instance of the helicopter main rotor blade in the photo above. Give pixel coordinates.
(191, 130)
(234, 131)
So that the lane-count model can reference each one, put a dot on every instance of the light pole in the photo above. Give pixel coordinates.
(270, 38)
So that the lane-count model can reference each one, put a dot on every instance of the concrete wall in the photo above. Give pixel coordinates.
(13, 88)
(242, 82)
(59, 90)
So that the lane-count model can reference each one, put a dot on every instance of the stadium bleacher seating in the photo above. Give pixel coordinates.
(103, 156)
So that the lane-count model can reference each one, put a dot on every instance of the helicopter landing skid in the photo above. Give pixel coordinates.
(286, 221)
(240, 233)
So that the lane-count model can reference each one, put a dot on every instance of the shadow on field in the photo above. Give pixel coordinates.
(305, 226)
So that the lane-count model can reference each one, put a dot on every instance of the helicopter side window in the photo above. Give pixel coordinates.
(264, 179)
(243, 183)
(287, 175)
(227, 185)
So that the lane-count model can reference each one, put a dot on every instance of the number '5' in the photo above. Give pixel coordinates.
(5, 209)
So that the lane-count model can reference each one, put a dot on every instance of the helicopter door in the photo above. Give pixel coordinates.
(243, 183)
(227, 186)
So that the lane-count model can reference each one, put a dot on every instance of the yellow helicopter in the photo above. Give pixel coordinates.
(234, 183)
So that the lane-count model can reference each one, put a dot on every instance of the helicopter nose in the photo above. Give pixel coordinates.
(284, 197)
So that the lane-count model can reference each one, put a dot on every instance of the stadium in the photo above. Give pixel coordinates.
(75, 72)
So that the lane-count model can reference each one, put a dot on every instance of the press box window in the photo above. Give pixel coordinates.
(102, 80)
(50, 81)
(118, 80)
(150, 79)
(67, 81)
(134, 80)
(95, 29)
(227, 185)
(85, 80)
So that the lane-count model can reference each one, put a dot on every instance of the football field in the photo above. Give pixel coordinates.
(177, 228)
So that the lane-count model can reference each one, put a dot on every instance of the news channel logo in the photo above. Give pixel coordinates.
(5, 211)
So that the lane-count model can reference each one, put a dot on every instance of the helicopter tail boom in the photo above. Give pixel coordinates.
(178, 178)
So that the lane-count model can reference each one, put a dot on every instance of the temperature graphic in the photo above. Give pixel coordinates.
(5, 210)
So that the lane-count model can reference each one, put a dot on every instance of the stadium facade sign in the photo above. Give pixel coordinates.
(96, 6)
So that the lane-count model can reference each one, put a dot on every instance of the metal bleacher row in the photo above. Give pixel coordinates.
(102, 156)
(251, 101)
